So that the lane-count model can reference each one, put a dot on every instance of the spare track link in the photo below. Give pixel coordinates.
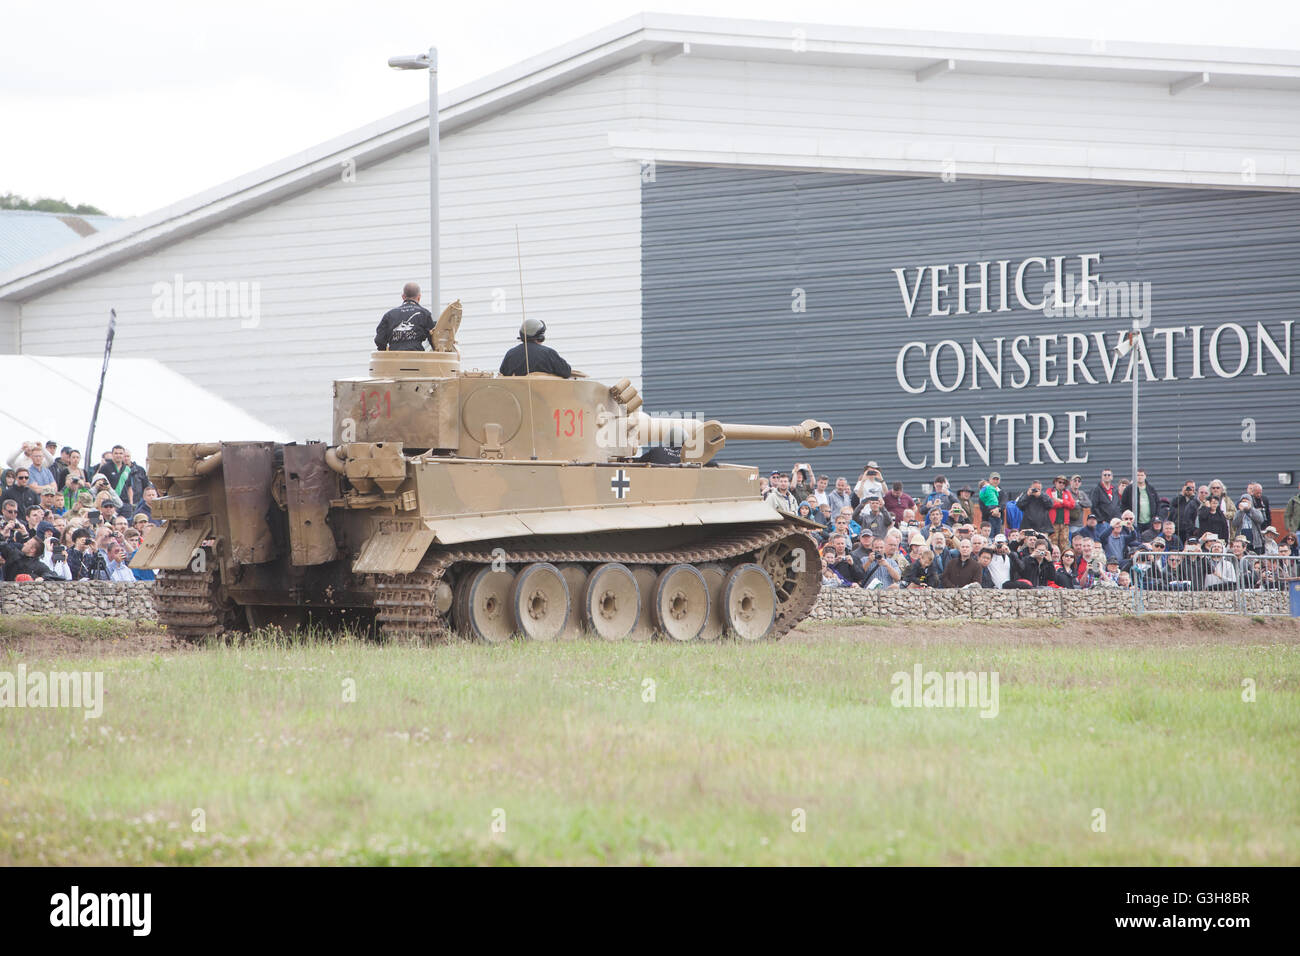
(405, 608)
(188, 604)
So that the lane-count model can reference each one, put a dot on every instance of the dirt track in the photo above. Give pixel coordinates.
(1160, 630)
(34, 636)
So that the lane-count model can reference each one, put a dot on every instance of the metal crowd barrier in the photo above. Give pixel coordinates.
(1250, 584)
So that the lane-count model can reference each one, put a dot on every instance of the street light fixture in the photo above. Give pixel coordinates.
(429, 61)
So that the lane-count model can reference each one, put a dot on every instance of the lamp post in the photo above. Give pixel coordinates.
(1122, 348)
(429, 61)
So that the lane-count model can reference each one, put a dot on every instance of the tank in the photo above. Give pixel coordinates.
(453, 502)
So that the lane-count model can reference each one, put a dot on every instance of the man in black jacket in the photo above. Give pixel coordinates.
(1035, 509)
(20, 492)
(1039, 570)
(532, 356)
(1178, 515)
(1105, 499)
(25, 559)
(985, 559)
(408, 326)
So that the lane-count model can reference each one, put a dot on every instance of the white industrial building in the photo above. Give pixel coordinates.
(300, 259)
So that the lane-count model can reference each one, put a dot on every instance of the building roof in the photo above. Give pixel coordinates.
(26, 234)
(44, 398)
(1180, 68)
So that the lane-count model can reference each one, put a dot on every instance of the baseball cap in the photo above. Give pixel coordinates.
(138, 519)
(1270, 530)
(1000, 537)
(995, 475)
(1114, 561)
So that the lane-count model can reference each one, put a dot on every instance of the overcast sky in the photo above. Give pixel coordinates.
(131, 106)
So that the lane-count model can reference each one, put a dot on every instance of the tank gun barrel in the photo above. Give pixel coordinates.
(701, 440)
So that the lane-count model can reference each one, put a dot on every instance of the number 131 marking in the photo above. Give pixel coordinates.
(568, 422)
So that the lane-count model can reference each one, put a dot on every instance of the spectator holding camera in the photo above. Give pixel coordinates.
(870, 483)
(1035, 509)
(1120, 538)
(1249, 523)
(1211, 519)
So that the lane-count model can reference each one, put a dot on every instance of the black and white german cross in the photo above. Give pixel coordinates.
(619, 484)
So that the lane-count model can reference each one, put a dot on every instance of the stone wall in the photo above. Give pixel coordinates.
(82, 598)
(982, 604)
(113, 599)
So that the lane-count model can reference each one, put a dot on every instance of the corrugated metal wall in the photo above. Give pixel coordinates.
(724, 252)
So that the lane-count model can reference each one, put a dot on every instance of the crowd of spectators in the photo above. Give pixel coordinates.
(63, 520)
(1118, 534)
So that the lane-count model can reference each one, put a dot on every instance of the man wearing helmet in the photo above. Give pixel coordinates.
(531, 355)
(407, 327)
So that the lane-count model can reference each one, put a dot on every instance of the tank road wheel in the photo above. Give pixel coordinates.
(540, 602)
(575, 576)
(611, 604)
(681, 602)
(714, 576)
(482, 605)
(647, 580)
(749, 602)
(795, 569)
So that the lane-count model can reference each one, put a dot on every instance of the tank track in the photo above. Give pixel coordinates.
(189, 604)
(405, 602)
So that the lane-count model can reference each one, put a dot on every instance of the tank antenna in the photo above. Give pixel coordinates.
(532, 431)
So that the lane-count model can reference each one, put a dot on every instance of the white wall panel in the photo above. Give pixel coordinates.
(331, 260)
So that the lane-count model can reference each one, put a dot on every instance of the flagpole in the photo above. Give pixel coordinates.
(94, 416)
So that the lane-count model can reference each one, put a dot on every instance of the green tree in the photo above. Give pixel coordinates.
(44, 204)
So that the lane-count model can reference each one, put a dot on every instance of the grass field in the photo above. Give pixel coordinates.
(557, 746)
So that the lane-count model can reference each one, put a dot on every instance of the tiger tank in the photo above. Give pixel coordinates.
(459, 502)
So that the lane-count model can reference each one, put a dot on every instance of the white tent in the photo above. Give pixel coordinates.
(44, 398)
